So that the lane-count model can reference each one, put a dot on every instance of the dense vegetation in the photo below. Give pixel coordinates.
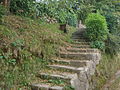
(96, 30)
(30, 35)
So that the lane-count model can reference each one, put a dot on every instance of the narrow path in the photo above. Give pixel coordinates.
(111, 81)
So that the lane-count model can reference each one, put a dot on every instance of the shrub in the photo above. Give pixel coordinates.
(25, 8)
(113, 44)
(62, 16)
(112, 21)
(2, 11)
(96, 28)
(98, 44)
(72, 19)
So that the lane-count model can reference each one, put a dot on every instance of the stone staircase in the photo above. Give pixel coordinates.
(72, 69)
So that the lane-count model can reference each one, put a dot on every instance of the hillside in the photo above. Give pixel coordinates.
(26, 46)
(59, 45)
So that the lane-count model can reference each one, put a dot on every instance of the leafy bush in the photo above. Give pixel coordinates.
(72, 19)
(110, 10)
(2, 11)
(83, 11)
(113, 44)
(62, 16)
(98, 44)
(25, 8)
(96, 29)
(112, 21)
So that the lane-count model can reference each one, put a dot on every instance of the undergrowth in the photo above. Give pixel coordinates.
(115, 85)
(105, 70)
(25, 47)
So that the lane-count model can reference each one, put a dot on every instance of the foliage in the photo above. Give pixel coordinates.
(25, 8)
(111, 13)
(97, 44)
(113, 44)
(72, 19)
(68, 17)
(83, 11)
(96, 29)
(60, 10)
(62, 17)
(2, 12)
(49, 9)
(112, 21)
(110, 9)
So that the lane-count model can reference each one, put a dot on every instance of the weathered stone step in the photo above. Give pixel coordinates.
(75, 63)
(78, 33)
(79, 56)
(45, 87)
(81, 43)
(78, 37)
(67, 68)
(80, 46)
(63, 76)
(79, 63)
(86, 50)
(80, 40)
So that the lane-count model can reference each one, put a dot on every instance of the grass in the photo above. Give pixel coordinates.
(115, 85)
(105, 70)
(25, 48)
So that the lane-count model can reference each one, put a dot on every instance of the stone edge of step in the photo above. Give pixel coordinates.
(60, 76)
(45, 87)
(76, 69)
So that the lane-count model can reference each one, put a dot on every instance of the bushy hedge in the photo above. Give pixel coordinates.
(97, 30)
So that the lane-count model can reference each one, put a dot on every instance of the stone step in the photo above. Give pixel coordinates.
(80, 46)
(45, 87)
(86, 50)
(79, 56)
(64, 76)
(74, 63)
(79, 63)
(78, 37)
(78, 33)
(80, 40)
(67, 68)
(81, 43)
